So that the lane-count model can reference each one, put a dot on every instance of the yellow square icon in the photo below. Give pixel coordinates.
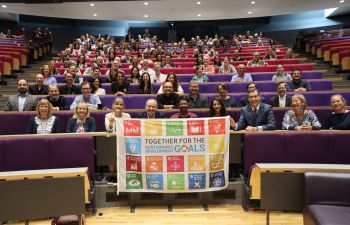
(217, 144)
(196, 163)
(153, 128)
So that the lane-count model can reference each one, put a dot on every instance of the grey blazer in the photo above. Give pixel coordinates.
(265, 118)
(29, 104)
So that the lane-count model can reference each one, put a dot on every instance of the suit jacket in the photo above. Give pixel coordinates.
(33, 90)
(157, 116)
(265, 118)
(29, 104)
(274, 101)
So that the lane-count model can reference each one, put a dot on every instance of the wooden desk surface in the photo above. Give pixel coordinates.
(54, 173)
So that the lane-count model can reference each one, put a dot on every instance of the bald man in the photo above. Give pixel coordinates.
(151, 110)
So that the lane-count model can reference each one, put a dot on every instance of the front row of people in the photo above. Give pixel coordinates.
(256, 116)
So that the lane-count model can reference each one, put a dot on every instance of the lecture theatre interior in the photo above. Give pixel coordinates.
(175, 112)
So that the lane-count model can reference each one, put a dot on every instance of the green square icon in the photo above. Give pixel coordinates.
(174, 128)
(176, 181)
(133, 181)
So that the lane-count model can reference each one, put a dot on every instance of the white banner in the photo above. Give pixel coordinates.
(173, 155)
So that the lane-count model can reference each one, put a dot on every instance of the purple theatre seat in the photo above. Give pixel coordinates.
(70, 152)
(279, 114)
(2, 155)
(339, 148)
(27, 153)
(99, 119)
(14, 123)
(271, 151)
(306, 147)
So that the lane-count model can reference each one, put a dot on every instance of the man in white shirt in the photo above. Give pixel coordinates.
(281, 99)
(145, 68)
(158, 77)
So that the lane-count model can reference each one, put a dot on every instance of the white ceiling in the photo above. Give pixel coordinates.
(171, 10)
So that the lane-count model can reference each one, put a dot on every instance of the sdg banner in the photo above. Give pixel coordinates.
(173, 155)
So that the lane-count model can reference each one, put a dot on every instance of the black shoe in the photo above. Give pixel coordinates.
(112, 179)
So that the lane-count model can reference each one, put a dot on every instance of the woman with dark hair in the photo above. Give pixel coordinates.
(229, 102)
(172, 78)
(218, 109)
(146, 87)
(81, 62)
(96, 87)
(339, 119)
(134, 76)
(217, 61)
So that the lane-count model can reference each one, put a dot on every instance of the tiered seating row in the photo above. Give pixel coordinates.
(16, 122)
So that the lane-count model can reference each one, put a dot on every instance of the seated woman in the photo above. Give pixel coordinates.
(200, 77)
(120, 87)
(46, 72)
(217, 61)
(207, 69)
(339, 119)
(81, 121)
(227, 68)
(118, 112)
(218, 109)
(229, 102)
(146, 87)
(134, 76)
(96, 87)
(172, 78)
(289, 54)
(81, 62)
(44, 122)
(300, 118)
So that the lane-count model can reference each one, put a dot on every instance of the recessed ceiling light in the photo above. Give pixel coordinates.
(341, 1)
(253, 3)
(92, 4)
(94, 14)
(4, 6)
(198, 3)
(199, 15)
(146, 15)
(249, 12)
(145, 3)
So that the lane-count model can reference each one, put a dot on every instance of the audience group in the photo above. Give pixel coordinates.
(256, 111)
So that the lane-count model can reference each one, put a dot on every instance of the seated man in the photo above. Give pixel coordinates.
(151, 110)
(69, 88)
(281, 99)
(184, 103)
(281, 75)
(236, 56)
(167, 63)
(92, 100)
(256, 61)
(241, 76)
(145, 68)
(39, 88)
(250, 87)
(58, 102)
(270, 55)
(256, 116)
(157, 77)
(298, 84)
(126, 58)
(22, 101)
(169, 99)
(196, 100)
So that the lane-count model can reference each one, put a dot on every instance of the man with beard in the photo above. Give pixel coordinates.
(298, 84)
(21, 101)
(184, 103)
(58, 102)
(39, 88)
(69, 88)
(281, 99)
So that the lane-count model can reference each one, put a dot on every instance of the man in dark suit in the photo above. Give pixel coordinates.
(281, 99)
(21, 101)
(39, 88)
(151, 111)
(256, 116)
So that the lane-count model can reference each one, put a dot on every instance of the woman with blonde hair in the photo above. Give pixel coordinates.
(46, 72)
(339, 119)
(81, 121)
(300, 118)
(44, 122)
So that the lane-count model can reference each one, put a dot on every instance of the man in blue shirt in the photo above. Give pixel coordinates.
(92, 100)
